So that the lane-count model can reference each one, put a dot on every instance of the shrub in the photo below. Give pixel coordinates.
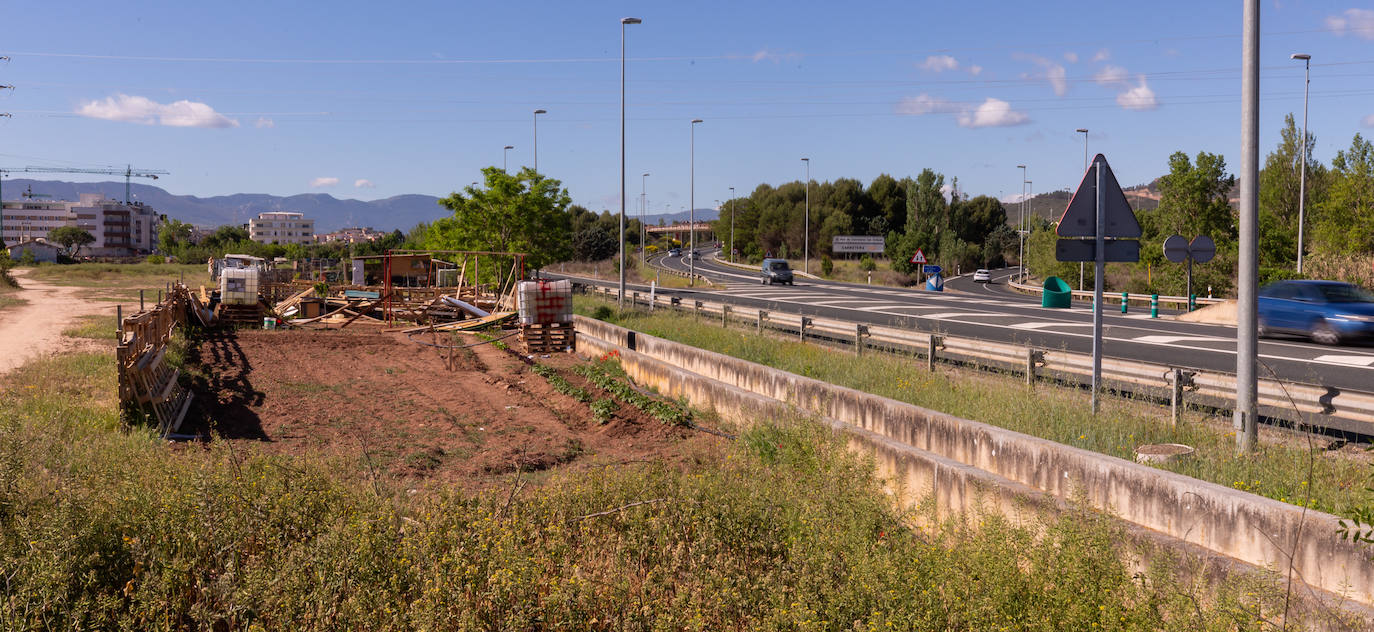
(827, 266)
(867, 264)
(158, 259)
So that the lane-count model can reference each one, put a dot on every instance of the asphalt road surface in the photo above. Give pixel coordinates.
(995, 312)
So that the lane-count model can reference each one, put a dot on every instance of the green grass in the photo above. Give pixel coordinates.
(103, 527)
(105, 275)
(92, 327)
(1280, 471)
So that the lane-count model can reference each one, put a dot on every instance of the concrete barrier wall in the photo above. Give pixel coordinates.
(1249, 528)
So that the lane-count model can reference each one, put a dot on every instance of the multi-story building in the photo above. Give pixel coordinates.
(281, 227)
(120, 229)
(350, 235)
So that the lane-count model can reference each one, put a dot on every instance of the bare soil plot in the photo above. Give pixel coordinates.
(390, 406)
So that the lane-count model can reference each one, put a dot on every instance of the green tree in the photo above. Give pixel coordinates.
(173, 237)
(1345, 222)
(524, 212)
(72, 238)
(888, 199)
(1194, 199)
(1279, 190)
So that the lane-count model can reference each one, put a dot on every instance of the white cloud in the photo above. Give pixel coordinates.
(1360, 22)
(992, 113)
(323, 182)
(134, 109)
(1071, 57)
(975, 70)
(925, 104)
(1102, 54)
(363, 183)
(1368, 121)
(764, 54)
(940, 63)
(1140, 97)
(1054, 72)
(264, 122)
(1110, 75)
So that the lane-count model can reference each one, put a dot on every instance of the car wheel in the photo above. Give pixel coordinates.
(1325, 334)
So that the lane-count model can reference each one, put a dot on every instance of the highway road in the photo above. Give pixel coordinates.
(994, 312)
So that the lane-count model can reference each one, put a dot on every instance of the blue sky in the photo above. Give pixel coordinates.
(369, 100)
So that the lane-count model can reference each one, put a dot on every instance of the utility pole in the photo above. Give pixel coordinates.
(732, 224)
(1247, 301)
(806, 237)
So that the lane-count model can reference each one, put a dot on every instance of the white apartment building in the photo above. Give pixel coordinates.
(355, 235)
(120, 229)
(281, 227)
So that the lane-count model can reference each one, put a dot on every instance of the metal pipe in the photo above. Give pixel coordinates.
(1247, 305)
(620, 236)
(1302, 176)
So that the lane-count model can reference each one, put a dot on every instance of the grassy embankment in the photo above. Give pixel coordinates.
(121, 282)
(106, 527)
(8, 287)
(1286, 467)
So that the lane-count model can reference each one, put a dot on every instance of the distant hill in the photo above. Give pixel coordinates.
(330, 213)
(703, 215)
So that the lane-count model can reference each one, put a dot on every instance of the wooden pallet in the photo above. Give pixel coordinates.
(239, 315)
(546, 338)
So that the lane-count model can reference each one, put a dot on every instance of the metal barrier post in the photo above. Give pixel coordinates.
(1154, 306)
(1176, 402)
(725, 316)
(801, 330)
(860, 330)
(762, 317)
(1192, 302)
(1031, 356)
(931, 343)
(698, 309)
(1125, 296)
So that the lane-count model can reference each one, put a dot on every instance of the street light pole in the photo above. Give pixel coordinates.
(504, 152)
(1030, 191)
(643, 205)
(1302, 178)
(1020, 262)
(732, 224)
(620, 236)
(536, 137)
(692, 213)
(806, 228)
(1084, 132)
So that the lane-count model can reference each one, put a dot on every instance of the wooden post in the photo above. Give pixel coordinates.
(1031, 356)
(140, 300)
(931, 344)
(697, 304)
(860, 331)
(762, 317)
(725, 316)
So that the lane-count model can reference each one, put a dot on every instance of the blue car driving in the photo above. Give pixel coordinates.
(1329, 312)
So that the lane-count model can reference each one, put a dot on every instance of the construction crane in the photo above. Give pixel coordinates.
(128, 172)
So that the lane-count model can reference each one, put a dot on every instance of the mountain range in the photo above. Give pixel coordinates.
(330, 213)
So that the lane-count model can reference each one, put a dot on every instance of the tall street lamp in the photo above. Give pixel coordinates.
(806, 226)
(1302, 178)
(505, 151)
(692, 216)
(1084, 132)
(732, 224)
(536, 136)
(643, 204)
(1030, 192)
(620, 237)
(1020, 262)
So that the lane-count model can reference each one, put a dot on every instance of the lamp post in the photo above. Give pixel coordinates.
(505, 151)
(692, 214)
(732, 224)
(620, 236)
(1084, 132)
(806, 226)
(1302, 177)
(536, 136)
(1020, 262)
(1030, 191)
(643, 204)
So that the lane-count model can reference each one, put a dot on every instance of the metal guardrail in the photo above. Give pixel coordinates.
(685, 275)
(1296, 403)
(1107, 297)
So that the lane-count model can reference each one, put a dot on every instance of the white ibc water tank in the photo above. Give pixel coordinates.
(543, 302)
(238, 286)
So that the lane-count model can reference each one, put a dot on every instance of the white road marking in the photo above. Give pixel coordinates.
(1168, 340)
(1042, 325)
(1347, 359)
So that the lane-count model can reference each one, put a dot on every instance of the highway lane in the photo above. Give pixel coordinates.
(992, 314)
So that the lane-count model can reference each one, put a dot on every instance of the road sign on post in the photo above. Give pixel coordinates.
(919, 257)
(931, 269)
(1179, 250)
(1098, 209)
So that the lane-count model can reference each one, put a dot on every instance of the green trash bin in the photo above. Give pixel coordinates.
(1056, 294)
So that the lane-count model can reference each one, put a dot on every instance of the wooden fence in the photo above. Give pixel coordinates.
(146, 381)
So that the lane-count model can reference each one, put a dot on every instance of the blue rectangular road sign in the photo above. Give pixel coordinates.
(931, 269)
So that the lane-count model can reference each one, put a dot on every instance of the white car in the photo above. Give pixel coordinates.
(982, 276)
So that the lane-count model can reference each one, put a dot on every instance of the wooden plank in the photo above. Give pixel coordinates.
(461, 325)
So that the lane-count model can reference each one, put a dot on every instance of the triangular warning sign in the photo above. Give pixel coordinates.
(1080, 218)
(919, 257)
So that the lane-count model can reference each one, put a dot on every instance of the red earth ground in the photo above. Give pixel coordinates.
(390, 406)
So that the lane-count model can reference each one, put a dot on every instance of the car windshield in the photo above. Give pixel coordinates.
(777, 265)
(1344, 293)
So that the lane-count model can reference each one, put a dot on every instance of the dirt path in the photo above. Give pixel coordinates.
(35, 329)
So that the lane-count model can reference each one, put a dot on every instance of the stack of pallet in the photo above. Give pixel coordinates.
(546, 316)
(549, 337)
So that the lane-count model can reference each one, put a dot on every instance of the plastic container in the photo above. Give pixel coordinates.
(269, 323)
(238, 286)
(446, 278)
(545, 302)
(1056, 294)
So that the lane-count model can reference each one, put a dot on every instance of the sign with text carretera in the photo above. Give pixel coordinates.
(872, 244)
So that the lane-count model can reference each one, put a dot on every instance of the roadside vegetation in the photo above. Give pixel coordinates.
(1288, 467)
(104, 526)
(120, 275)
(8, 286)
